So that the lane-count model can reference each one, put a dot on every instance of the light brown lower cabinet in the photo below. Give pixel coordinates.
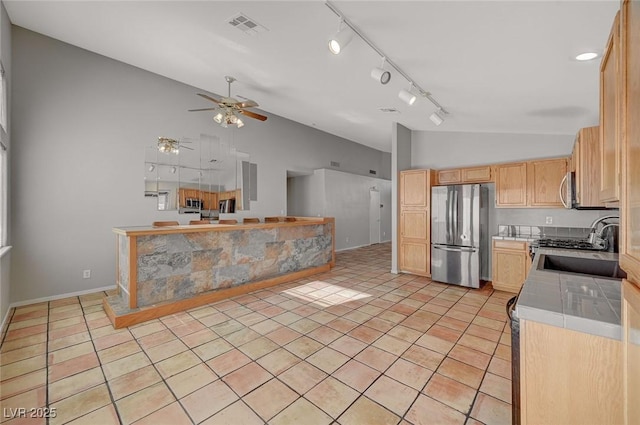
(569, 377)
(510, 264)
(631, 357)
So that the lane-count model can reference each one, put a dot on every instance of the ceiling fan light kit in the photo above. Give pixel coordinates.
(380, 74)
(167, 145)
(228, 108)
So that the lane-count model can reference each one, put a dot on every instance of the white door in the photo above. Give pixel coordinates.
(374, 216)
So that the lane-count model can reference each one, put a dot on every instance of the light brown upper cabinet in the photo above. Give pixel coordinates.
(449, 176)
(413, 188)
(477, 174)
(610, 132)
(630, 232)
(511, 185)
(481, 174)
(586, 164)
(544, 179)
(530, 184)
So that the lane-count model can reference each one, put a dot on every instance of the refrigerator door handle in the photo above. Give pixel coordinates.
(455, 214)
(454, 249)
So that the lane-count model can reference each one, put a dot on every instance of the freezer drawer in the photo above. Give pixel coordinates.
(456, 265)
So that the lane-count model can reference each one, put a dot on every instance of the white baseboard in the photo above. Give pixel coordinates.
(5, 322)
(58, 297)
(352, 247)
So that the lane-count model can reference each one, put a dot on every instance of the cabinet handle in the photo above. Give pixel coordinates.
(564, 181)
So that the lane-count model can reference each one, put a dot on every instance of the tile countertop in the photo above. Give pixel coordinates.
(578, 302)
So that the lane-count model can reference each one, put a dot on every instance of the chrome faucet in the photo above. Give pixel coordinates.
(595, 236)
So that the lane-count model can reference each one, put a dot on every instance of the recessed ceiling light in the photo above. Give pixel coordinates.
(587, 56)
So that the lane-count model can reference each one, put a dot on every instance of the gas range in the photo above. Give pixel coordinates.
(561, 243)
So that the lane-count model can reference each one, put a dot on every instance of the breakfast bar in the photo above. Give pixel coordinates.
(164, 270)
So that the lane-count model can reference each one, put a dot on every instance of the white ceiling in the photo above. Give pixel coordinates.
(497, 66)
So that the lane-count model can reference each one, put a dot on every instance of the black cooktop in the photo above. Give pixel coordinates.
(565, 243)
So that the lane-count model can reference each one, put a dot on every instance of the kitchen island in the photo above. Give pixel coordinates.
(567, 353)
(164, 270)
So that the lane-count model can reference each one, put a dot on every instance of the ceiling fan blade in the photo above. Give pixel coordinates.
(248, 103)
(202, 109)
(209, 98)
(253, 115)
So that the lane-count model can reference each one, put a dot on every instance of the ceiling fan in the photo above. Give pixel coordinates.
(229, 108)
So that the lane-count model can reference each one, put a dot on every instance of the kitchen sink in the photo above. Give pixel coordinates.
(583, 266)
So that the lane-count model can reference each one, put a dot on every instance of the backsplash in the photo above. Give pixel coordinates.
(511, 230)
(538, 216)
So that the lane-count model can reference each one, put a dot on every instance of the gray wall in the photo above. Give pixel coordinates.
(450, 149)
(80, 126)
(5, 261)
(453, 149)
(346, 197)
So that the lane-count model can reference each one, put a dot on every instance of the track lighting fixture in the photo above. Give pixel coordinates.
(152, 167)
(407, 96)
(340, 39)
(380, 74)
(437, 117)
(344, 35)
(173, 170)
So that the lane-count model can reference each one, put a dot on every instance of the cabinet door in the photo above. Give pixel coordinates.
(414, 224)
(587, 167)
(545, 178)
(631, 348)
(415, 257)
(414, 188)
(510, 268)
(630, 232)
(449, 177)
(511, 185)
(609, 117)
(476, 174)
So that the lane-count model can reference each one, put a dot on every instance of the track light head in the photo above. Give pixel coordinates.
(436, 117)
(340, 40)
(381, 75)
(407, 97)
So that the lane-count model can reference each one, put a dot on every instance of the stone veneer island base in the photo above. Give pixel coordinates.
(165, 270)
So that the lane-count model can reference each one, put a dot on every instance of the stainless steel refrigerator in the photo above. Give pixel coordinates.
(459, 234)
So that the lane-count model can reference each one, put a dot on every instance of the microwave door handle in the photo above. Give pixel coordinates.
(562, 184)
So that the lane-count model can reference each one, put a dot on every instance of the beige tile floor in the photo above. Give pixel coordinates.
(355, 346)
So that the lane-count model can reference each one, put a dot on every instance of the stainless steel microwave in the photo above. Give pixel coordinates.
(568, 194)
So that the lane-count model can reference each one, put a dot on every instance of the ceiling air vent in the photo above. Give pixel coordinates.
(335, 164)
(388, 110)
(374, 172)
(246, 24)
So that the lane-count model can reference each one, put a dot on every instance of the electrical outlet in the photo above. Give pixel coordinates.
(549, 220)
(86, 274)
(384, 234)
(347, 240)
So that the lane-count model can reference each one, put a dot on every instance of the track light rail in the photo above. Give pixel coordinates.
(421, 91)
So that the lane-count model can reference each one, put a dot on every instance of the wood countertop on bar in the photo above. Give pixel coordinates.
(194, 228)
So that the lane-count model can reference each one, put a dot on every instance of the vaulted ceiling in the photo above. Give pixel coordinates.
(496, 66)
